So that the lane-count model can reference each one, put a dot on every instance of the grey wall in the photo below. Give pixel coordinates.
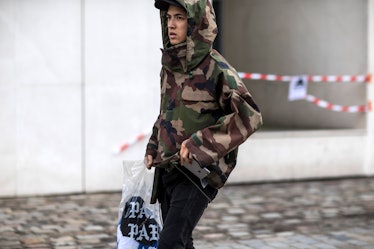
(293, 37)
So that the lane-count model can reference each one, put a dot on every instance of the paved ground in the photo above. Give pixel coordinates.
(318, 214)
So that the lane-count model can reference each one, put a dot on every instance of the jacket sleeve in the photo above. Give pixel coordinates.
(152, 144)
(241, 119)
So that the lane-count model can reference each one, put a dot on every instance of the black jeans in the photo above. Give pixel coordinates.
(182, 205)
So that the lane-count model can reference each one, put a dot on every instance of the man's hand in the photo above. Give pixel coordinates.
(148, 161)
(185, 154)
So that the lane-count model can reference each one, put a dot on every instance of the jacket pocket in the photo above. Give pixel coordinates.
(200, 101)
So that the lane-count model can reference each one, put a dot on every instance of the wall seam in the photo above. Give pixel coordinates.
(83, 96)
(369, 156)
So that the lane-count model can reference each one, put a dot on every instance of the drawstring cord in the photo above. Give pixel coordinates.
(194, 183)
(173, 160)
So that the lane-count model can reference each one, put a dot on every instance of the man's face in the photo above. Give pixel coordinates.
(177, 25)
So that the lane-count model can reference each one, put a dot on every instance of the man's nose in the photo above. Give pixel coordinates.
(171, 23)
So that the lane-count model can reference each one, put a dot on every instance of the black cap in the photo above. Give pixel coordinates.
(164, 4)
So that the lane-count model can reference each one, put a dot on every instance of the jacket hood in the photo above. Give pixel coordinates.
(201, 33)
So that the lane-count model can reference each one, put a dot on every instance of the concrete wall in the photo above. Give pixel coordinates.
(80, 78)
(296, 37)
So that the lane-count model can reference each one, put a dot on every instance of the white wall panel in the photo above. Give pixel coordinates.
(122, 84)
(40, 106)
(8, 100)
(121, 41)
(49, 140)
(7, 42)
(8, 144)
(47, 42)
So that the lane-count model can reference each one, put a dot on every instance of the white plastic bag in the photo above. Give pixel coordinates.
(139, 222)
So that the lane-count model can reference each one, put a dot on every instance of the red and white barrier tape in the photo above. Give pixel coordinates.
(311, 78)
(338, 108)
(317, 78)
(310, 98)
(133, 141)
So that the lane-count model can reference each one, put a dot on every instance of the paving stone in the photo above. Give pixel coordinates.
(358, 243)
(255, 243)
(278, 245)
(261, 232)
(230, 218)
(292, 221)
(93, 228)
(324, 246)
(240, 234)
(214, 236)
(33, 240)
(312, 214)
(282, 234)
(271, 216)
(236, 211)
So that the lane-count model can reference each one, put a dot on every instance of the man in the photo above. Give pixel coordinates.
(205, 114)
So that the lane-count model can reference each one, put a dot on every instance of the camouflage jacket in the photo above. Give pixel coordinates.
(203, 100)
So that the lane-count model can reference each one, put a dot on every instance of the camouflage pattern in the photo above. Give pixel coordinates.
(203, 100)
